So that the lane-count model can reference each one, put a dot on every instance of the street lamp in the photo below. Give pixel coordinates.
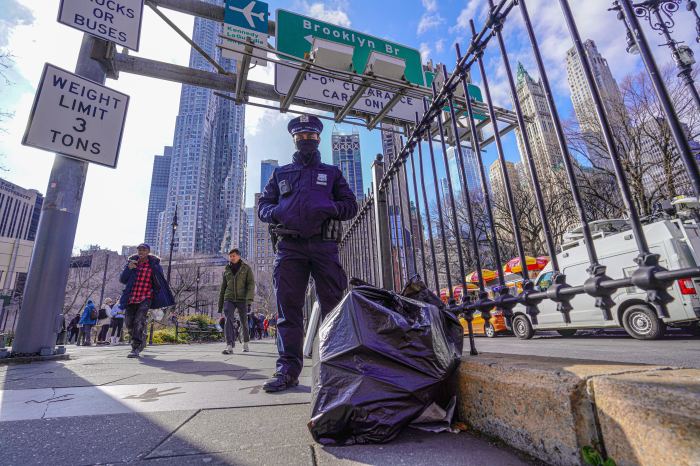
(172, 242)
(659, 15)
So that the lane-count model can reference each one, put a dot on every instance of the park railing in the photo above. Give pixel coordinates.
(399, 232)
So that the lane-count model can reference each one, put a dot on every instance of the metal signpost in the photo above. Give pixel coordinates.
(119, 22)
(246, 20)
(77, 117)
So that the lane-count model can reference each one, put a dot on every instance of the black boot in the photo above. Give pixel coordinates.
(280, 382)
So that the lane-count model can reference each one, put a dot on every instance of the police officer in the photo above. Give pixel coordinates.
(303, 199)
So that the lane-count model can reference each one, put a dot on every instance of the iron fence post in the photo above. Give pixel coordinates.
(382, 234)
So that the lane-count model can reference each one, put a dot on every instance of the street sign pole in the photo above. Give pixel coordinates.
(45, 289)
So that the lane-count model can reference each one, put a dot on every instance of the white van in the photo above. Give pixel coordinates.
(678, 244)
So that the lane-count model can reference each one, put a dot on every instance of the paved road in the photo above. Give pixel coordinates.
(188, 404)
(677, 349)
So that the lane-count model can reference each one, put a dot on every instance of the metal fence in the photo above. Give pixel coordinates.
(399, 233)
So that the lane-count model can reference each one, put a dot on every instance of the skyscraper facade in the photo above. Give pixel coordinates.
(159, 194)
(347, 157)
(582, 100)
(20, 210)
(262, 246)
(539, 125)
(207, 175)
(250, 243)
(267, 167)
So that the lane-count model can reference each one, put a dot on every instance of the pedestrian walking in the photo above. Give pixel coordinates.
(261, 326)
(117, 323)
(104, 321)
(146, 288)
(305, 202)
(266, 324)
(88, 319)
(73, 329)
(236, 294)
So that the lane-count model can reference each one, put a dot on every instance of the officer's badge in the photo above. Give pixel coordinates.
(304, 118)
(322, 179)
(284, 187)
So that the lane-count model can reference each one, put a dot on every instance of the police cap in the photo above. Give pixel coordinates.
(305, 124)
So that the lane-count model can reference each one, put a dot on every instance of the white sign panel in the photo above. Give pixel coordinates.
(259, 57)
(118, 21)
(336, 92)
(77, 117)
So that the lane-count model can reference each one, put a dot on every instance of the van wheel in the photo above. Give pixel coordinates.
(641, 323)
(522, 328)
(567, 332)
(694, 329)
(489, 331)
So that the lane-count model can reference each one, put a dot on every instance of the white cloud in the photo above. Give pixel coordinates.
(335, 14)
(440, 46)
(13, 14)
(470, 11)
(424, 51)
(428, 22)
(430, 5)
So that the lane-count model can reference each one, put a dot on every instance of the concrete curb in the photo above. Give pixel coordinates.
(551, 408)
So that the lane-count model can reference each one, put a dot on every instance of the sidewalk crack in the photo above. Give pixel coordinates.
(168, 437)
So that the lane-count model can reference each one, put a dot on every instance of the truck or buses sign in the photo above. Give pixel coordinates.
(77, 117)
(118, 21)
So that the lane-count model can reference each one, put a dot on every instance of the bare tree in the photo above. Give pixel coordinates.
(648, 154)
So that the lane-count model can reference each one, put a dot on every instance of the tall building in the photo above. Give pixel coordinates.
(250, 243)
(159, 194)
(264, 256)
(20, 210)
(347, 157)
(539, 125)
(392, 143)
(471, 170)
(496, 177)
(207, 175)
(267, 168)
(582, 100)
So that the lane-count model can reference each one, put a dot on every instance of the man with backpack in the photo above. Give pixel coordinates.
(88, 320)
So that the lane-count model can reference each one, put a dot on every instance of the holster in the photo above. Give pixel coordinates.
(332, 230)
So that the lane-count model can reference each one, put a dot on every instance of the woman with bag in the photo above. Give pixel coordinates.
(104, 321)
(117, 323)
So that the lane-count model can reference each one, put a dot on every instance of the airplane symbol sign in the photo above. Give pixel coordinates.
(248, 14)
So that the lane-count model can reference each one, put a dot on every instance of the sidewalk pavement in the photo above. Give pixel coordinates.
(188, 404)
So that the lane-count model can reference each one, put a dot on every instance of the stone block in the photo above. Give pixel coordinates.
(650, 418)
(537, 405)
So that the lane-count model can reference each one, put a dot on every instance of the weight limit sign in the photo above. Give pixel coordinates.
(77, 117)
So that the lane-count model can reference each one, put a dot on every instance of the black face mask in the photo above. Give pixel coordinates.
(307, 146)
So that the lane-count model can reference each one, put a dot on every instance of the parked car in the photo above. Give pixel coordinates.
(495, 325)
(677, 241)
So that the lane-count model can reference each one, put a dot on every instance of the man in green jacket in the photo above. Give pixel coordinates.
(237, 293)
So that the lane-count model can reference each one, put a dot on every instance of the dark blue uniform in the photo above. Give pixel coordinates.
(302, 196)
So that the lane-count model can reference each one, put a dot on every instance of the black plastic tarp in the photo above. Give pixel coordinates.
(382, 359)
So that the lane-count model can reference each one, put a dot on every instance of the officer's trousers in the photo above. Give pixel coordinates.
(297, 260)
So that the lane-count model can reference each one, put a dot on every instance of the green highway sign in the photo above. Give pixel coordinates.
(474, 93)
(295, 34)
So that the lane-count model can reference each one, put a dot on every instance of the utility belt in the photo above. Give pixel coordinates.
(331, 230)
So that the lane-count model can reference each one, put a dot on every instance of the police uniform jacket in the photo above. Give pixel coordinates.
(303, 196)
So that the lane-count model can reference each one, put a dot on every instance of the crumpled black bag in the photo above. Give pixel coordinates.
(383, 359)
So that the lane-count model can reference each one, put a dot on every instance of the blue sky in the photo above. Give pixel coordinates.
(115, 201)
